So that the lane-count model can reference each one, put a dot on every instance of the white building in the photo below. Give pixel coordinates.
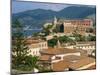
(88, 46)
(36, 45)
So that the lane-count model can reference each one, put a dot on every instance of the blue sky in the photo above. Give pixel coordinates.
(20, 6)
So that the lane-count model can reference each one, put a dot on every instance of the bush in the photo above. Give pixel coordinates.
(52, 42)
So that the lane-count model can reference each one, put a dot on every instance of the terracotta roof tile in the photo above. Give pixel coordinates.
(60, 66)
(72, 58)
(45, 57)
(82, 62)
(60, 51)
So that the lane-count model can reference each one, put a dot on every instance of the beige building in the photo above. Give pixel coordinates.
(64, 59)
(74, 63)
(69, 26)
(52, 56)
(87, 46)
(83, 64)
(35, 46)
(80, 26)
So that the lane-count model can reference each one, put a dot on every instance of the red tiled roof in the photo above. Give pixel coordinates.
(82, 62)
(45, 57)
(60, 66)
(60, 51)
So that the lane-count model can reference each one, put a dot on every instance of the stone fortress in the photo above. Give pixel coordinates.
(71, 25)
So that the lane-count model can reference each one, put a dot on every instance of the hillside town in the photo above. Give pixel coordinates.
(64, 45)
(74, 49)
(52, 37)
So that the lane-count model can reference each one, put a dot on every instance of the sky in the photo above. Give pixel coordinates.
(20, 6)
(24, 6)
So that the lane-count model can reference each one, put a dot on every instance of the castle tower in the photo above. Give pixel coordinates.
(54, 22)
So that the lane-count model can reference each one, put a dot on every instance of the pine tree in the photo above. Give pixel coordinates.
(19, 47)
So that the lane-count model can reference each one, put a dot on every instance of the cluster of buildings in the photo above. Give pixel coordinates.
(70, 26)
(90, 47)
(69, 57)
(64, 59)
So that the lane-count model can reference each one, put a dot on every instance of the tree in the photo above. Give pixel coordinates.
(91, 38)
(79, 37)
(52, 42)
(47, 30)
(35, 34)
(19, 47)
(89, 30)
(65, 39)
(31, 62)
(21, 60)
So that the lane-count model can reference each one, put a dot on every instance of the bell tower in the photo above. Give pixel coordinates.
(55, 20)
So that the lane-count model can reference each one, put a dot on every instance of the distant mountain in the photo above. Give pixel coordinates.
(77, 12)
(36, 18)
